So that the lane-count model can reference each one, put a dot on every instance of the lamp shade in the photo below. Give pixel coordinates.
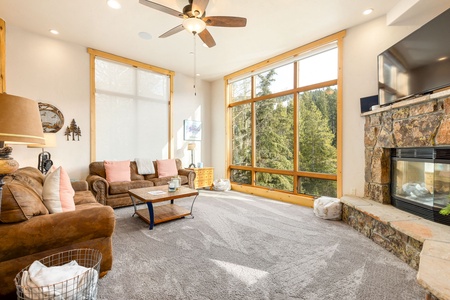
(191, 146)
(50, 141)
(194, 25)
(20, 120)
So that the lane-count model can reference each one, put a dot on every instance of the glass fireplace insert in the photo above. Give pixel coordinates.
(420, 181)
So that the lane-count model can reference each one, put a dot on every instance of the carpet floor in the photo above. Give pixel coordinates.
(240, 246)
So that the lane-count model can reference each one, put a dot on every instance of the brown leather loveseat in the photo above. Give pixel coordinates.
(28, 232)
(115, 194)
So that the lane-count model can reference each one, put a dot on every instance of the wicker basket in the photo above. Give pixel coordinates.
(83, 286)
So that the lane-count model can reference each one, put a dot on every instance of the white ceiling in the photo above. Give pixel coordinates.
(273, 27)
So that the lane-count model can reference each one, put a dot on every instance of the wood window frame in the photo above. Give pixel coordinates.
(2, 56)
(291, 197)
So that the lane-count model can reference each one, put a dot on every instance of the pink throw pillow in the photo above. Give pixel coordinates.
(117, 170)
(166, 167)
(57, 192)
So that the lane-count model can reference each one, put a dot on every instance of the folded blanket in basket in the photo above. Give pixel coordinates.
(59, 282)
(145, 166)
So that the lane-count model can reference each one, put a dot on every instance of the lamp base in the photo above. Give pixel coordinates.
(8, 165)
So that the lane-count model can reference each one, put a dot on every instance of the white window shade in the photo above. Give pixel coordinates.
(132, 112)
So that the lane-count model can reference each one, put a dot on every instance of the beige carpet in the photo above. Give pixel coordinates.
(244, 247)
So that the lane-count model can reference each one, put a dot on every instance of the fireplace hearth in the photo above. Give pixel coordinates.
(420, 181)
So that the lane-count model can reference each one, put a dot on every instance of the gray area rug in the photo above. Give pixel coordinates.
(240, 246)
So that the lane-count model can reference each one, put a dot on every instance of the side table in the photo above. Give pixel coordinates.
(204, 177)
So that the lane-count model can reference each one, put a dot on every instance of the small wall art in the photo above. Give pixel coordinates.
(73, 130)
(192, 130)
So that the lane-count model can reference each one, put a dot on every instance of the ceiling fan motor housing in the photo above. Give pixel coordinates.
(187, 11)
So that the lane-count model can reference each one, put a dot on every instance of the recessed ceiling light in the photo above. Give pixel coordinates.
(54, 31)
(442, 58)
(145, 35)
(197, 74)
(368, 11)
(114, 4)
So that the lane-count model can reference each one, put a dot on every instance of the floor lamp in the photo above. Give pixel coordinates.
(44, 158)
(20, 122)
(191, 147)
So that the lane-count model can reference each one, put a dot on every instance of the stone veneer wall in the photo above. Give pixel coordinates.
(422, 122)
(404, 247)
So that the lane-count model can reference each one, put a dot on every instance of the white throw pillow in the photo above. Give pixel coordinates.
(58, 192)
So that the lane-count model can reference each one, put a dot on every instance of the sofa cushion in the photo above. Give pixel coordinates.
(117, 170)
(20, 203)
(58, 192)
(166, 167)
(123, 187)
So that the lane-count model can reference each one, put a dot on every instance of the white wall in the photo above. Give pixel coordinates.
(362, 44)
(188, 106)
(57, 72)
(218, 139)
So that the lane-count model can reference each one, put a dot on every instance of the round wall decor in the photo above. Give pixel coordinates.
(52, 118)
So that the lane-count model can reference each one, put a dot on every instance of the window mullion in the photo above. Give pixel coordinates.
(296, 177)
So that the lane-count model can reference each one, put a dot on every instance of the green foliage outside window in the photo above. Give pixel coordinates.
(317, 141)
(242, 135)
(274, 136)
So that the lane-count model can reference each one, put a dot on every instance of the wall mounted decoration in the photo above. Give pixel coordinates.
(52, 118)
(73, 130)
(192, 130)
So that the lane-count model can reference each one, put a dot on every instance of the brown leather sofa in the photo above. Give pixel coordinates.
(28, 232)
(115, 194)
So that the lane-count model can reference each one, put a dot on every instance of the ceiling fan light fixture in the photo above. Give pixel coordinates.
(194, 25)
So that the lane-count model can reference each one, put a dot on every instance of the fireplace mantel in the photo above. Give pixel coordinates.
(419, 122)
(409, 102)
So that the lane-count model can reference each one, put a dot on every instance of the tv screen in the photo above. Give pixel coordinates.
(418, 64)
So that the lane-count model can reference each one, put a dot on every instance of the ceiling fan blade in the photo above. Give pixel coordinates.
(200, 6)
(162, 8)
(207, 38)
(172, 31)
(225, 21)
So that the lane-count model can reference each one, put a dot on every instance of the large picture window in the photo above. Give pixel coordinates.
(284, 119)
(132, 109)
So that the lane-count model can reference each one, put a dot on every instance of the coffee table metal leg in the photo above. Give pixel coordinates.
(192, 206)
(134, 204)
(151, 214)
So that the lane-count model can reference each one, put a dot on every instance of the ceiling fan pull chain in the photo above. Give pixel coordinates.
(195, 65)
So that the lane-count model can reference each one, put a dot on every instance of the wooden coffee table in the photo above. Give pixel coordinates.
(161, 213)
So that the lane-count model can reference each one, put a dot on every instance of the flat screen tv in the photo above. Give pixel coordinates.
(417, 65)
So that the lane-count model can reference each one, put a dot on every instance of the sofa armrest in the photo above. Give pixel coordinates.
(99, 187)
(190, 174)
(80, 185)
(40, 233)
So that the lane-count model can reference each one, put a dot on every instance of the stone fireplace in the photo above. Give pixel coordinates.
(423, 122)
(420, 122)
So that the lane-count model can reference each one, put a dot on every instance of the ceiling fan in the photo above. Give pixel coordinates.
(195, 21)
